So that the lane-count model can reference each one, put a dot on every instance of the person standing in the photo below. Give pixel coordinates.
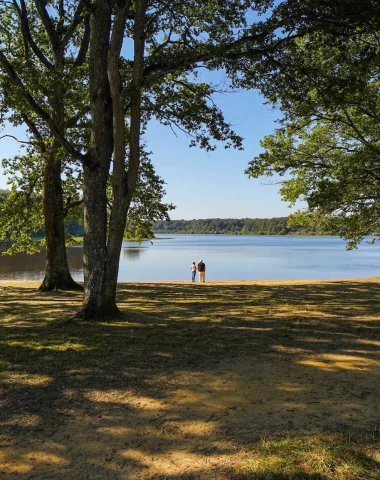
(202, 271)
(193, 271)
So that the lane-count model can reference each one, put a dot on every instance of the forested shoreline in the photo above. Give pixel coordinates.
(223, 226)
(236, 226)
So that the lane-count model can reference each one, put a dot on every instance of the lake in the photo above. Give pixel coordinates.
(227, 257)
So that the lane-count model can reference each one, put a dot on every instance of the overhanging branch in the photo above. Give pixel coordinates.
(38, 109)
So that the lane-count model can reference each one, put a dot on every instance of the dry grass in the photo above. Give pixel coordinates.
(249, 380)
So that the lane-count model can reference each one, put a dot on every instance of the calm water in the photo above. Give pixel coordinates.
(227, 257)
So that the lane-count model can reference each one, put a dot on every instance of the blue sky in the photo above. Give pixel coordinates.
(205, 185)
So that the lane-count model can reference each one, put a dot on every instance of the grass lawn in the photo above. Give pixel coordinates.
(239, 380)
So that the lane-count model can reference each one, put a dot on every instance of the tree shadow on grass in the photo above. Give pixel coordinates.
(187, 378)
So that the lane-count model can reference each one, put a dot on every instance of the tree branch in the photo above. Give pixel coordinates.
(17, 140)
(37, 109)
(26, 34)
(77, 19)
(70, 204)
(81, 57)
(48, 24)
(230, 52)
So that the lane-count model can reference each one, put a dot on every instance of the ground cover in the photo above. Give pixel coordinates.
(239, 380)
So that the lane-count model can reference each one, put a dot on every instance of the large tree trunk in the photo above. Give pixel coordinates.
(124, 183)
(57, 274)
(96, 305)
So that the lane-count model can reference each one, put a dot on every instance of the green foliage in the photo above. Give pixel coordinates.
(147, 205)
(21, 212)
(242, 226)
(21, 207)
(4, 193)
(328, 148)
(242, 39)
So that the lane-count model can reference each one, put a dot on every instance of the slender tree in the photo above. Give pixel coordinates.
(43, 65)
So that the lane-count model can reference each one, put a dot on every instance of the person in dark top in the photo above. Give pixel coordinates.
(202, 271)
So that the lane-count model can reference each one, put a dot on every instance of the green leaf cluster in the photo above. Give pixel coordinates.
(327, 150)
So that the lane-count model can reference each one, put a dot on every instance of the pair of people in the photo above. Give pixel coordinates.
(201, 268)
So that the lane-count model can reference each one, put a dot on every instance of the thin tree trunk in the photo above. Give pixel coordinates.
(124, 183)
(57, 274)
(120, 204)
(96, 170)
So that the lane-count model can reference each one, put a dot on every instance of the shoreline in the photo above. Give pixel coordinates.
(373, 279)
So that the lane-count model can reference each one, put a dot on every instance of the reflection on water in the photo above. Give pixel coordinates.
(133, 253)
(32, 267)
(228, 257)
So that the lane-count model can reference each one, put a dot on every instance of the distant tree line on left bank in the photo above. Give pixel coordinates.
(74, 228)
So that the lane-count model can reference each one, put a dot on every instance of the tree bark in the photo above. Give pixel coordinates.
(96, 305)
(124, 182)
(118, 217)
(57, 274)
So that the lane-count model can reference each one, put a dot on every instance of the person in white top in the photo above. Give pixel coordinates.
(193, 271)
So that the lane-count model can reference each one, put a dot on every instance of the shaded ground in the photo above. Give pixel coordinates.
(249, 380)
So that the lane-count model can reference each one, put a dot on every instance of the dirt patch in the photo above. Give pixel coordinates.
(187, 380)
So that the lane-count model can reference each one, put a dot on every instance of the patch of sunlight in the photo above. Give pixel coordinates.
(282, 349)
(58, 347)
(197, 428)
(115, 431)
(313, 340)
(360, 352)
(289, 387)
(25, 379)
(11, 467)
(249, 329)
(174, 462)
(203, 394)
(375, 343)
(375, 455)
(330, 458)
(124, 397)
(331, 362)
(45, 457)
(22, 420)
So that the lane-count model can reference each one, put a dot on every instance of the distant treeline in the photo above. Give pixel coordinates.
(237, 226)
(232, 226)
(242, 226)
(74, 228)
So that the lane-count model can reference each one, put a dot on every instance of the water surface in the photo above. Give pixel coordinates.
(227, 257)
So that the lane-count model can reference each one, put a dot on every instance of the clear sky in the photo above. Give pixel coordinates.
(205, 185)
